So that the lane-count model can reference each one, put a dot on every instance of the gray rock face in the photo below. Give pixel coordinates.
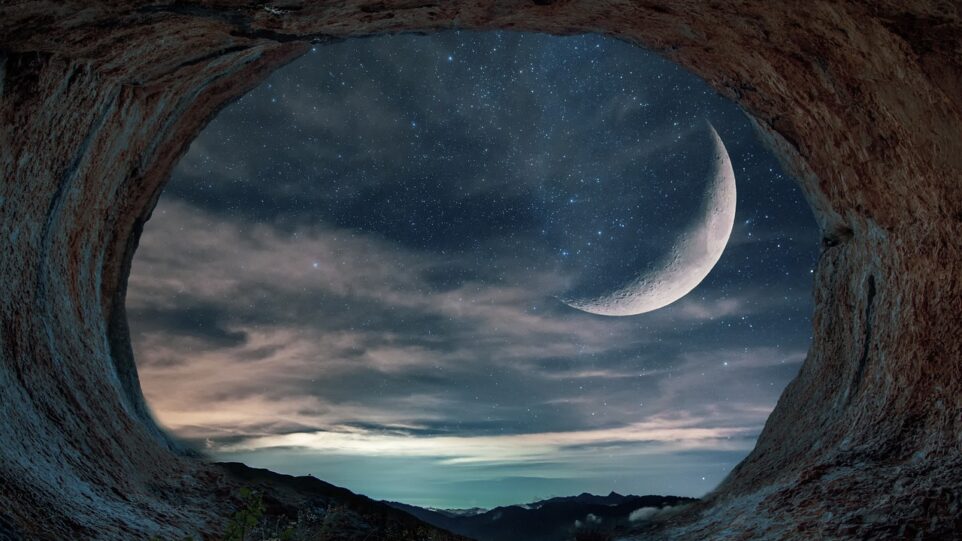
(862, 99)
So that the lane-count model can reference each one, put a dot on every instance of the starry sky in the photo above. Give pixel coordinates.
(355, 270)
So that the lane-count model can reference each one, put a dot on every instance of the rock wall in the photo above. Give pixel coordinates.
(862, 100)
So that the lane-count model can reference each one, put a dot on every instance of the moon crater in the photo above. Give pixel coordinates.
(693, 254)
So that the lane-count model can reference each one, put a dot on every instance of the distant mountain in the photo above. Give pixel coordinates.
(554, 519)
(613, 498)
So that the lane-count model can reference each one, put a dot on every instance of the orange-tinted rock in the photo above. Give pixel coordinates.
(862, 99)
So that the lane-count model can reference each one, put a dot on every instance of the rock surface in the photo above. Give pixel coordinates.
(862, 100)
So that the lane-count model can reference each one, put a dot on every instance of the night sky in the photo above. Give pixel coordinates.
(354, 273)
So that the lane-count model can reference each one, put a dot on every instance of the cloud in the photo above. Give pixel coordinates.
(717, 308)
(253, 331)
(661, 435)
(590, 519)
(254, 339)
(643, 513)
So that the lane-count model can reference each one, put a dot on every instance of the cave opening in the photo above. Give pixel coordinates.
(354, 273)
(860, 101)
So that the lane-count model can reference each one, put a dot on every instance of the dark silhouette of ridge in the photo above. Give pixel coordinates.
(553, 519)
(372, 520)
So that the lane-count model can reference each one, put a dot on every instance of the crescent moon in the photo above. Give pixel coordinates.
(693, 254)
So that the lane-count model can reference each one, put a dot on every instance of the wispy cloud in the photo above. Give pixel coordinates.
(269, 322)
(656, 436)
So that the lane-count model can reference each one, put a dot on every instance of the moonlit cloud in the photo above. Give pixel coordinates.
(657, 436)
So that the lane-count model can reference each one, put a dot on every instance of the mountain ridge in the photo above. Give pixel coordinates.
(551, 519)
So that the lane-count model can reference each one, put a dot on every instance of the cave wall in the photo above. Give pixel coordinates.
(861, 100)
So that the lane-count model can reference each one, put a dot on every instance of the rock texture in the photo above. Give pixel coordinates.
(862, 99)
